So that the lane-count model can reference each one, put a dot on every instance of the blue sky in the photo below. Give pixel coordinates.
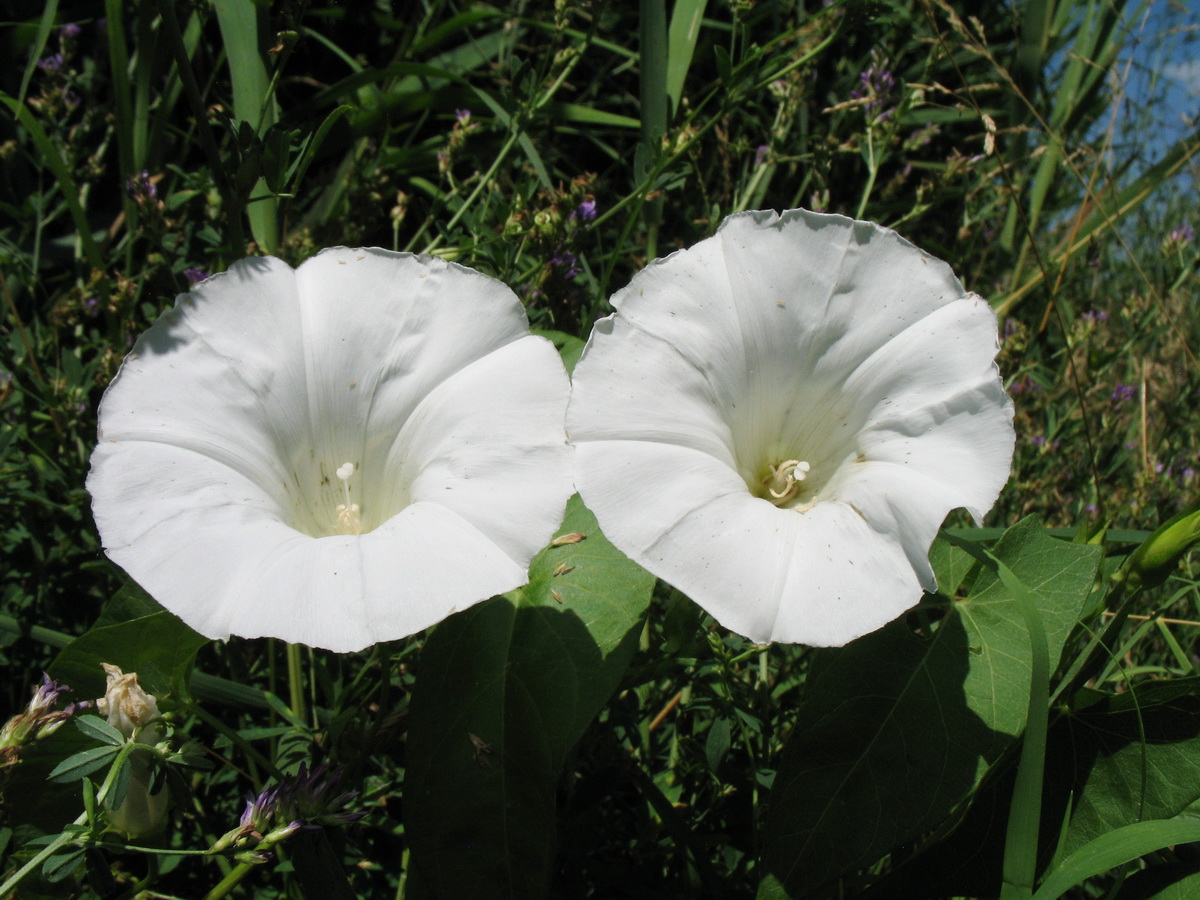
(1165, 48)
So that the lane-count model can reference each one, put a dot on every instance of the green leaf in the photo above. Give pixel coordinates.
(63, 864)
(96, 727)
(1135, 756)
(318, 867)
(504, 690)
(569, 347)
(119, 786)
(900, 726)
(1116, 848)
(84, 763)
(158, 647)
(129, 602)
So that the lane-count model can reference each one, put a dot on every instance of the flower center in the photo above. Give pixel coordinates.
(783, 481)
(349, 520)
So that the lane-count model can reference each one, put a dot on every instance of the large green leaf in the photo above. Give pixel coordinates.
(1136, 757)
(158, 647)
(900, 726)
(503, 692)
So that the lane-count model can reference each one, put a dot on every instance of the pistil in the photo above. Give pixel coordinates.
(349, 520)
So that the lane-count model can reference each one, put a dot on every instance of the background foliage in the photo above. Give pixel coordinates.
(560, 148)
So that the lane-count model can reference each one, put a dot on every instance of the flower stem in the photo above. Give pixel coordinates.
(229, 882)
(296, 680)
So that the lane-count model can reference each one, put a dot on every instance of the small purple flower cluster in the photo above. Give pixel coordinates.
(585, 211)
(39, 720)
(308, 798)
(1025, 385)
(1095, 316)
(1179, 237)
(568, 263)
(194, 274)
(140, 187)
(1039, 441)
(875, 85)
(1123, 393)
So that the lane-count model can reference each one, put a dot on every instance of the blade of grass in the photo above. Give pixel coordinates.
(681, 45)
(118, 62)
(184, 62)
(239, 22)
(1117, 848)
(652, 17)
(49, 14)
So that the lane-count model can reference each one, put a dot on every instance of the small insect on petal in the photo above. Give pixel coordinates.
(573, 538)
(482, 750)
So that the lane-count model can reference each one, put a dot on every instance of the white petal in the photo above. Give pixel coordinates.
(821, 578)
(618, 393)
(802, 337)
(216, 482)
(503, 467)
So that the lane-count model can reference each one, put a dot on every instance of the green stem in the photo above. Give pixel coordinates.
(296, 680)
(1024, 817)
(45, 853)
(229, 882)
(872, 170)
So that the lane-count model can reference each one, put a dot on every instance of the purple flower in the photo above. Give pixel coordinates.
(140, 187)
(1182, 234)
(585, 211)
(39, 720)
(91, 306)
(567, 260)
(1187, 474)
(69, 32)
(1095, 316)
(1038, 440)
(307, 798)
(876, 85)
(52, 63)
(1123, 393)
(1025, 386)
(194, 274)
(760, 155)
(462, 116)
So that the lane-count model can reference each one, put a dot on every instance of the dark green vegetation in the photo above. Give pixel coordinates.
(650, 755)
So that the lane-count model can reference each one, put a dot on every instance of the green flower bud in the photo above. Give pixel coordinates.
(1153, 562)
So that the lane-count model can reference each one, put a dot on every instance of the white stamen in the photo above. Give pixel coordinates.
(348, 519)
(784, 481)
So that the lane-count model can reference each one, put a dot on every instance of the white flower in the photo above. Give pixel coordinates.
(128, 708)
(334, 455)
(777, 420)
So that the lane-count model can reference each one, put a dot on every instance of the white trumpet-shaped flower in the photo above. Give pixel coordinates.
(777, 420)
(334, 455)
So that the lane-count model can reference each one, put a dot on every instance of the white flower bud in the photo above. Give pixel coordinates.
(129, 708)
